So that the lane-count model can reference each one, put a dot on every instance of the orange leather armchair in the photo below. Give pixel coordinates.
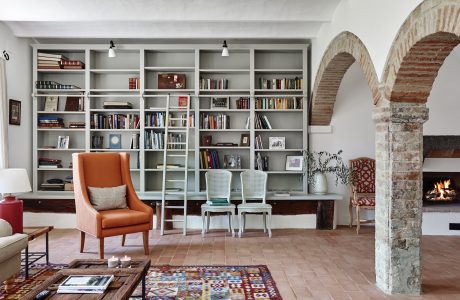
(108, 170)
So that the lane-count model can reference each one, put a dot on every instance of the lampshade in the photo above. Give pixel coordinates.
(112, 50)
(14, 181)
(225, 49)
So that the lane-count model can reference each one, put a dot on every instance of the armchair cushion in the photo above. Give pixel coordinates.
(123, 217)
(12, 245)
(106, 198)
(367, 200)
(5, 228)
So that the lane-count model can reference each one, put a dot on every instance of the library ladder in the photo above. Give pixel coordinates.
(175, 148)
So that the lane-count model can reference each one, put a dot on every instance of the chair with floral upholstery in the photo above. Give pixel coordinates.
(362, 194)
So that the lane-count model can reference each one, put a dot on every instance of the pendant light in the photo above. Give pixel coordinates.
(225, 49)
(112, 50)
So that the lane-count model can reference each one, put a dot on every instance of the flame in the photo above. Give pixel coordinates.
(441, 187)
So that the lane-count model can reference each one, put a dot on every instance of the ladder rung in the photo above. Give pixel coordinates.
(177, 155)
(175, 206)
(171, 220)
(176, 127)
(174, 193)
(178, 119)
(176, 143)
(175, 180)
(178, 107)
(177, 130)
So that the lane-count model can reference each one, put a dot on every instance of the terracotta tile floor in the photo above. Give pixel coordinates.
(306, 264)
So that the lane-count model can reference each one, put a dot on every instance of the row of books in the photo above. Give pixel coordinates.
(50, 122)
(117, 105)
(134, 83)
(182, 122)
(57, 61)
(220, 121)
(279, 103)
(261, 122)
(258, 142)
(281, 84)
(242, 103)
(53, 85)
(49, 163)
(115, 121)
(209, 159)
(213, 84)
(156, 119)
(154, 140)
(97, 142)
(135, 137)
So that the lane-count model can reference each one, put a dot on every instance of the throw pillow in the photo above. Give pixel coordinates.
(108, 198)
(5, 228)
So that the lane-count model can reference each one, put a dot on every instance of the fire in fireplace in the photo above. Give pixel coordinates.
(443, 190)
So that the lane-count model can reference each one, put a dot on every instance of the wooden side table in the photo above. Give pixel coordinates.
(31, 257)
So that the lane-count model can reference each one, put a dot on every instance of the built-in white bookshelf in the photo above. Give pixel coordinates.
(241, 76)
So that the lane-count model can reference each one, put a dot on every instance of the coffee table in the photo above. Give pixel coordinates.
(31, 257)
(121, 288)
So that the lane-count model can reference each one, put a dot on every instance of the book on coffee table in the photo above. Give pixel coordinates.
(85, 284)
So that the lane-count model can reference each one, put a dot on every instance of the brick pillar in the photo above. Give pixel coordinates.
(398, 214)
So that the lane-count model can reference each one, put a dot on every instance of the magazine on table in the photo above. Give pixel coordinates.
(85, 284)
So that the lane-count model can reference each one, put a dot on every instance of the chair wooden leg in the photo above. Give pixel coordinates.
(240, 220)
(244, 222)
(203, 217)
(350, 211)
(229, 221)
(145, 237)
(269, 224)
(232, 224)
(101, 248)
(209, 221)
(82, 241)
(123, 240)
(264, 215)
(358, 222)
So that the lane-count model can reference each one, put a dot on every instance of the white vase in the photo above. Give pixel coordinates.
(319, 185)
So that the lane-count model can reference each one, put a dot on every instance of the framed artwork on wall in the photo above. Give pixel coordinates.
(14, 116)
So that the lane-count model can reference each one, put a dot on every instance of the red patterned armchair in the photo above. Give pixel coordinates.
(362, 187)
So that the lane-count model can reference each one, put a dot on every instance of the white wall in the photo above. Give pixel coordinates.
(19, 85)
(353, 129)
(375, 22)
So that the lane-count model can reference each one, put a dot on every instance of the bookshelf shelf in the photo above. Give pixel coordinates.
(107, 79)
(231, 170)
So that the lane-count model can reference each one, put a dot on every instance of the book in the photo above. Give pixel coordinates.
(73, 103)
(85, 284)
(51, 103)
(51, 56)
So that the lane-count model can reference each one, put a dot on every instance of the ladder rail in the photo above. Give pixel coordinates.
(186, 164)
(163, 188)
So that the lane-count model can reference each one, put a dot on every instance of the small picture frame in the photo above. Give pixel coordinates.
(220, 103)
(206, 140)
(294, 163)
(63, 142)
(14, 116)
(276, 142)
(114, 141)
(245, 140)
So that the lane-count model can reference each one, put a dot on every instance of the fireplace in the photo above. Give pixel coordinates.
(440, 187)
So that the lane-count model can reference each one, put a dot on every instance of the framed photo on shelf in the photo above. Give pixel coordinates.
(244, 140)
(51, 103)
(276, 142)
(171, 81)
(294, 163)
(220, 103)
(115, 141)
(232, 162)
(14, 115)
(63, 142)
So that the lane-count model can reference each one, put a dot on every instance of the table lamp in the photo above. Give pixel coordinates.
(13, 181)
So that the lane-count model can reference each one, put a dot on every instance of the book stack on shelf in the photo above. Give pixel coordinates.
(154, 140)
(155, 119)
(57, 61)
(134, 83)
(49, 163)
(242, 103)
(209, 159)
(54, 184)
(281, 84)
(220, 121)
(115, 121)
(50, 122)
(261, 122)
(279, 103)
(117, 105)
(213, 84)
(76, 124)
(53, 85)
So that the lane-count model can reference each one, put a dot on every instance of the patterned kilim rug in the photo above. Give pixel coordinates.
(180, 282)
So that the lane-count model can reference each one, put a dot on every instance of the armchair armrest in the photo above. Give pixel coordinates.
(12, 245)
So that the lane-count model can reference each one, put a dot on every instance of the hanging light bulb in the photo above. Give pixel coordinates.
(112, 50)
(225, 49)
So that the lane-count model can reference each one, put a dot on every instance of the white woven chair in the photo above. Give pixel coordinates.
(254, 186)
(218, 183)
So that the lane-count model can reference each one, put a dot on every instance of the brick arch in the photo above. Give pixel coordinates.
(423, 42)
(342, 52)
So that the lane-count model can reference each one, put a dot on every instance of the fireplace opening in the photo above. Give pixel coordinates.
(442, 190)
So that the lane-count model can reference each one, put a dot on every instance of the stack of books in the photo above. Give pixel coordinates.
(209, 159)
(213, 84)
(279, 103)
(53, 185)
(261, 122)
(217, 202)
(115, 121)
(281, 84)
(220, 121)
(155, 119)
(72, 64)
(57, 61)
(50, 122)
(49, 163)
(85, 284)
(134, 83)
(242, 103)
(76, 124)
(117, 105)
(154, 140)
(53, 85)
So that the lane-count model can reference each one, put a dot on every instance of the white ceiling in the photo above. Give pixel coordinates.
(166, 19)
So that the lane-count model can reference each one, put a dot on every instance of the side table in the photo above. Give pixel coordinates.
(28, 258)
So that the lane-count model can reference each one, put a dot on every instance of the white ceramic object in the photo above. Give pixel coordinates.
(319, 186)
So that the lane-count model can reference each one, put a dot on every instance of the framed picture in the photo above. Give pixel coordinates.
(114, 141)
(232, 162)
(294, 163)
(244, 140)
(171, 81)
(220, 103)
(276, 142)
(63, 142)
(14, 112)
(51, 103)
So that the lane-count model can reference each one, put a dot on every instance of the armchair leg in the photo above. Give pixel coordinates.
(145, 237)
(123, 240)
(350, 211)
(101, 248)
(358, 222)
(82, 241)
